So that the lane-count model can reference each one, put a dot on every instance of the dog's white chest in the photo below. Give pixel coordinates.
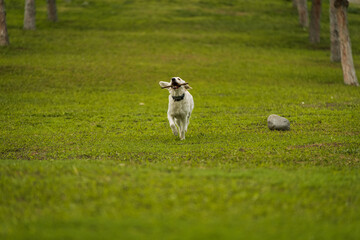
(181, 108)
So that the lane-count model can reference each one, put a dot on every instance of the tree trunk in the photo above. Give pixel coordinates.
(303, 13)
(345, 44)
(29, 16)
(334, 34)
(52, 11)
(314, 29)
(4, 37)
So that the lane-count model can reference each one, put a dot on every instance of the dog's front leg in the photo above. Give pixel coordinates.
(182, 128)
(172, 125)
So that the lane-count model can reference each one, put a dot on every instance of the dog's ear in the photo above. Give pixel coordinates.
(164, 84)
(187, 87)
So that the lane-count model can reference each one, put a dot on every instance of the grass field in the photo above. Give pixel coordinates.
(85, 147)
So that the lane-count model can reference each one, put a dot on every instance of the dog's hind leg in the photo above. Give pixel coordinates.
(187, 122)
(172, 125)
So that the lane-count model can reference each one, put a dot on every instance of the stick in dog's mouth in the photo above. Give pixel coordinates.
(175, 86)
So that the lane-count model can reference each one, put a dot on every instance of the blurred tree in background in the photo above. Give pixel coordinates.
(314, 28)
(4, 38)
(52, 11)
(29, 15)
(347, 62)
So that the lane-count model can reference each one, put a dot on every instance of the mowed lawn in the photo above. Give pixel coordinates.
(86, 151)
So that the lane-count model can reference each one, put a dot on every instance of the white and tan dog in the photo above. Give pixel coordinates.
(181, 104)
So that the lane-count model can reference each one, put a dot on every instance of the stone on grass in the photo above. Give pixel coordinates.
(276, 122)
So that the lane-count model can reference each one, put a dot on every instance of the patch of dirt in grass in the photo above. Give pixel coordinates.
(316, 145)
(226, 12)
(331, 105)
(331, 160)
(13, 69)
(339, 105)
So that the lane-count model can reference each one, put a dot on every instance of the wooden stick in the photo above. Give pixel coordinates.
(178, 85)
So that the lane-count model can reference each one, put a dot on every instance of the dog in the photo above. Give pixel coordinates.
(181, 105)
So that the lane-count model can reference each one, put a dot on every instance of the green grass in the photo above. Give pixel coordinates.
(81, 158)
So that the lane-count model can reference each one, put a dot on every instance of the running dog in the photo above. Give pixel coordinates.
(181, 104)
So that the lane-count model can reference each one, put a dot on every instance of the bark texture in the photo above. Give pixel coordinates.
(4, 37)
(303, 13)
(314, 29)
(29, 15)
(52, 11)
(334, 34)
(345, 43)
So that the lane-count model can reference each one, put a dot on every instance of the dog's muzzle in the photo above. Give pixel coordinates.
(174, 84)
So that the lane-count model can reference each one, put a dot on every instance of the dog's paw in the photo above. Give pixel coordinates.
(182, 135)
(174, 130)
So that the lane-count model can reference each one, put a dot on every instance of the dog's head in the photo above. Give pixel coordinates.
(176, 83)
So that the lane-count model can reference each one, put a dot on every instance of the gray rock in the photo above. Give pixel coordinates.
(276, 122)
